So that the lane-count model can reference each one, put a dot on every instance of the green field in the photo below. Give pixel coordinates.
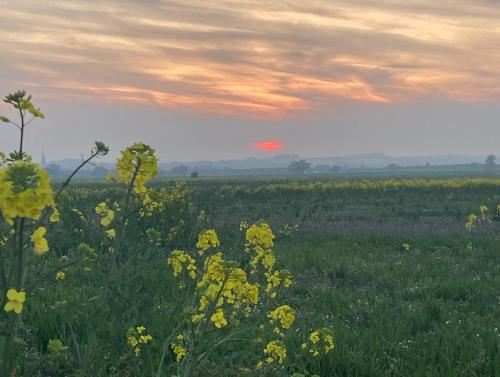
(432, 310)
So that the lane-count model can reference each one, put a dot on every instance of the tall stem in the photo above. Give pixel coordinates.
(20, 253)
(21, 113)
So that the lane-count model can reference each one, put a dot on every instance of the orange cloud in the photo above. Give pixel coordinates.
(248, 58)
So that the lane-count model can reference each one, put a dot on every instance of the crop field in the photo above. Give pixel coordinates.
(386, 265)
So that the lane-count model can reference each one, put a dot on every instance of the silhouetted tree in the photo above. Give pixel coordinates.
(194, 174)
(299, 167)
(490, 161)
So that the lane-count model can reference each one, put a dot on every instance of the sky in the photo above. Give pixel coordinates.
(221, 79)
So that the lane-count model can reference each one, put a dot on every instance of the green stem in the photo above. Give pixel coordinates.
(21, 113)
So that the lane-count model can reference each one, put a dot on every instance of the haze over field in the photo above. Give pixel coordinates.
(213, 79)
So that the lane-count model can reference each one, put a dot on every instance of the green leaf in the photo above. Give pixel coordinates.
(4, 119)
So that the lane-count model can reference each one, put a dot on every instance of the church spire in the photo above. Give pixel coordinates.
(44, 161)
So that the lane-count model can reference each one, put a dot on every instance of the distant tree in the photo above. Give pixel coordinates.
(299, 167)
(490, 161)
(194, 174)
(181, 170)
(393, 166)
(335, 169)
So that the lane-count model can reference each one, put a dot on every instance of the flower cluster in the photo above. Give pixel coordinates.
(228, 292)
(137, 337)
(284, 314)
(275, 351)
(207, 239)
(180, 260)
(224, 283)
(277, 279)
(178, 346)
(260, 235)
(138, 164)
(319, 341)
(24, 191)
(107, 215)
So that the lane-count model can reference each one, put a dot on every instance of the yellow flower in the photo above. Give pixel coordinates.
(260, 235)
(55, 216)
(106, 220)
(40, 243)
(218, 319)
(136, 337)
(284, 314)
(178, 259)
(314, 337)
(207, 239)
(60, 275)
(276, 351)
(179, 348)
(321, 341)
(139, 163)
(108, 215)
(15, 301)
(24, 191)
(196, 318)
(111, 234)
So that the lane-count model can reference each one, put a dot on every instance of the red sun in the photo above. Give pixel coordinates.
(269, 145)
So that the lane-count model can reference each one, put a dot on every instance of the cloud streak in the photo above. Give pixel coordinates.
(252, 58)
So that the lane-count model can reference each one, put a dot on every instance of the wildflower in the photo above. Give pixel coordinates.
(111, 234)
(260, 235)
(55, 216)
(207, 239)
(60, 275)
(137, 163)
(179, 259)
(314, 337)
(56, 347)
(136, 337)
(321, 340)
(275, 351)
(40, 243)
(284, 314)
(218, 319)
(24, 191)
(107, 215)
(15, 301)
(178, 347)
(243, 226)
(196, 318)
(471, 222)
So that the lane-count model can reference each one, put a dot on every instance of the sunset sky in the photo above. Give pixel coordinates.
(216, 79)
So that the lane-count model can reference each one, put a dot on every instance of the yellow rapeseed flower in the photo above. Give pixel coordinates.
(218, 319)
(60, 275)
(15, 301)
(40, 243)
(24, 191)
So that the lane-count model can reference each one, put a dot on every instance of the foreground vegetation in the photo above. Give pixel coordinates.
(134, 277)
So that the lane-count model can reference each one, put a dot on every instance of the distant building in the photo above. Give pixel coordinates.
(44, 161)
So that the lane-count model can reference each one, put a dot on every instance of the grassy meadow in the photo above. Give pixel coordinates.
(386, 264)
